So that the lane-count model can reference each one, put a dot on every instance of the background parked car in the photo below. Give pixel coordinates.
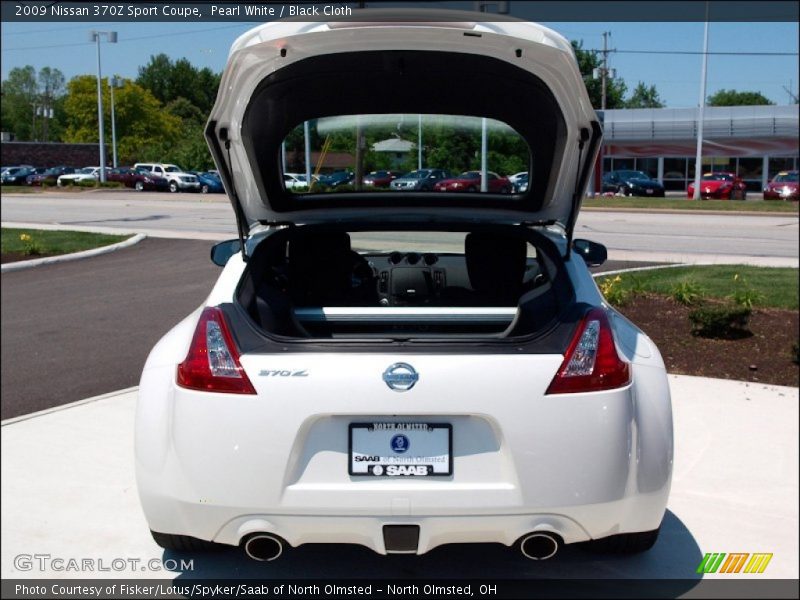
(84, 174)
(470, 181)
(632, 183)
(514, 179)
(179, 180)
(782, 187)
(420, 180)
(209, 182)
(380, 179)
(50, 176)
(521, 183)
(33, 173)
(720, 185)
(138, 179)
(337, 178)
(16, 175)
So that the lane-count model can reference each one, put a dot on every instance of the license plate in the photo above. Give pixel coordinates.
(649, 191)
(401, 449)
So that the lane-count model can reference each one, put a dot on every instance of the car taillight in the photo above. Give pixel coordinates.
(212, 364)
(591, 362)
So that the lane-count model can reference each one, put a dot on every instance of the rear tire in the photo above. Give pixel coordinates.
(184, 543)
(204, 189)
(624, 543)
(139, 187)
(173, 187)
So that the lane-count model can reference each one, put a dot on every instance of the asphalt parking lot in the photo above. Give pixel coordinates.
(79, 329)
(82, 328)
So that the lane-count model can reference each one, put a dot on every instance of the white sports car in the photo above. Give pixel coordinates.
(405, 370)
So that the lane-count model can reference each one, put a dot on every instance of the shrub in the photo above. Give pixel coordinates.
(744, 295)
(30, 246)
(688, 293)
(720, 320)
(614, 292)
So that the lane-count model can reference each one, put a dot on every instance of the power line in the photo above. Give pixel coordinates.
(700, 53)
(43, 30)
(132, 39)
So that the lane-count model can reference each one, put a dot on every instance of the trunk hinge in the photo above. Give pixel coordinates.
(227, 177)
(582, 174)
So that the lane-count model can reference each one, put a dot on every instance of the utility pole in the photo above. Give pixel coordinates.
(604, 73)
(792, 95)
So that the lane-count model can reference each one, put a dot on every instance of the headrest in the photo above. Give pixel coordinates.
(496, 263)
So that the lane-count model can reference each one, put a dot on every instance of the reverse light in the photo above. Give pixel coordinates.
(212, 364)
(591, 362)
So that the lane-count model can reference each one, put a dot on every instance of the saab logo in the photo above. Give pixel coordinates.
(367, 458)
(400, 444)
(407, 470)
(734, 562)
(279, 373)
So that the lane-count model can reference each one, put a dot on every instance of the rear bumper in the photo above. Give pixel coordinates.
(434, 530)
(582, 466)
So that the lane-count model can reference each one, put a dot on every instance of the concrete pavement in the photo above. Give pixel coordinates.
(69, 492)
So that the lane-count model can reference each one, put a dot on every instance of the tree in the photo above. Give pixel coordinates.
(736, 98)
(144, 128)
(588, 61)
(27, 97)
(644, 97)
(169, 81)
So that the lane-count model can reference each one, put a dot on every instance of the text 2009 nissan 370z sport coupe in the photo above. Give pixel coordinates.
(409, 369)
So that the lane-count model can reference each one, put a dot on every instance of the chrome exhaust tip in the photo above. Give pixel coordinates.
(263, 547)
(540, 545)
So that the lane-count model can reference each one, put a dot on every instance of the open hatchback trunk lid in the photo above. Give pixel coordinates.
(282, 75)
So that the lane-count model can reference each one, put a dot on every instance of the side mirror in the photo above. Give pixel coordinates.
(220, 253)
(593, 254)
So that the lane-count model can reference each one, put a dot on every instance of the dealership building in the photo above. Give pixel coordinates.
(755, 142)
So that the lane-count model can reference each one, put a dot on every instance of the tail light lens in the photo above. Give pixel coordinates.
(212, 364)
(591, 362)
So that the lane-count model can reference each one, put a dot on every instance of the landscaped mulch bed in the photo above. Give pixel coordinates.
(764, 357)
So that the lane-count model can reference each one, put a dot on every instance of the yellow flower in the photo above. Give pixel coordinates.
(25, 237)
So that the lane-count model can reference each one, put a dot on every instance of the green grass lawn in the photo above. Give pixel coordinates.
(53, 242)
(771, 206)
(18, 189)
(775, 287)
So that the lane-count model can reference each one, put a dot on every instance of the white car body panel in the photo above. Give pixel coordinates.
(256, 54)
(221, 466)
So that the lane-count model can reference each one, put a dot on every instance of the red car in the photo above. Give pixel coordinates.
(381, 179)
(50, 176)
(782, 187)
(138, 179)
(470, 181)
(720, 185)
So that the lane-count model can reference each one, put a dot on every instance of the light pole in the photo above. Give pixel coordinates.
(94, 36)
(698, 161)
(115, 82)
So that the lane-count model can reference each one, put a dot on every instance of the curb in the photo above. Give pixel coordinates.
(52, 409)
(699, 211)
(634, 269)
(48, 260)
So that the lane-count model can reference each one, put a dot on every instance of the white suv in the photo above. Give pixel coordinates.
(458, 378)
(178, 179)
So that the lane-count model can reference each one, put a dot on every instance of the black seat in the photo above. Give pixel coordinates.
(496, 268)
(325, 271)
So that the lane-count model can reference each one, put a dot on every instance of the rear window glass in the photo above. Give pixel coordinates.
(405, 153)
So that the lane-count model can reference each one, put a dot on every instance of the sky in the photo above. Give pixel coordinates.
(676, 76)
